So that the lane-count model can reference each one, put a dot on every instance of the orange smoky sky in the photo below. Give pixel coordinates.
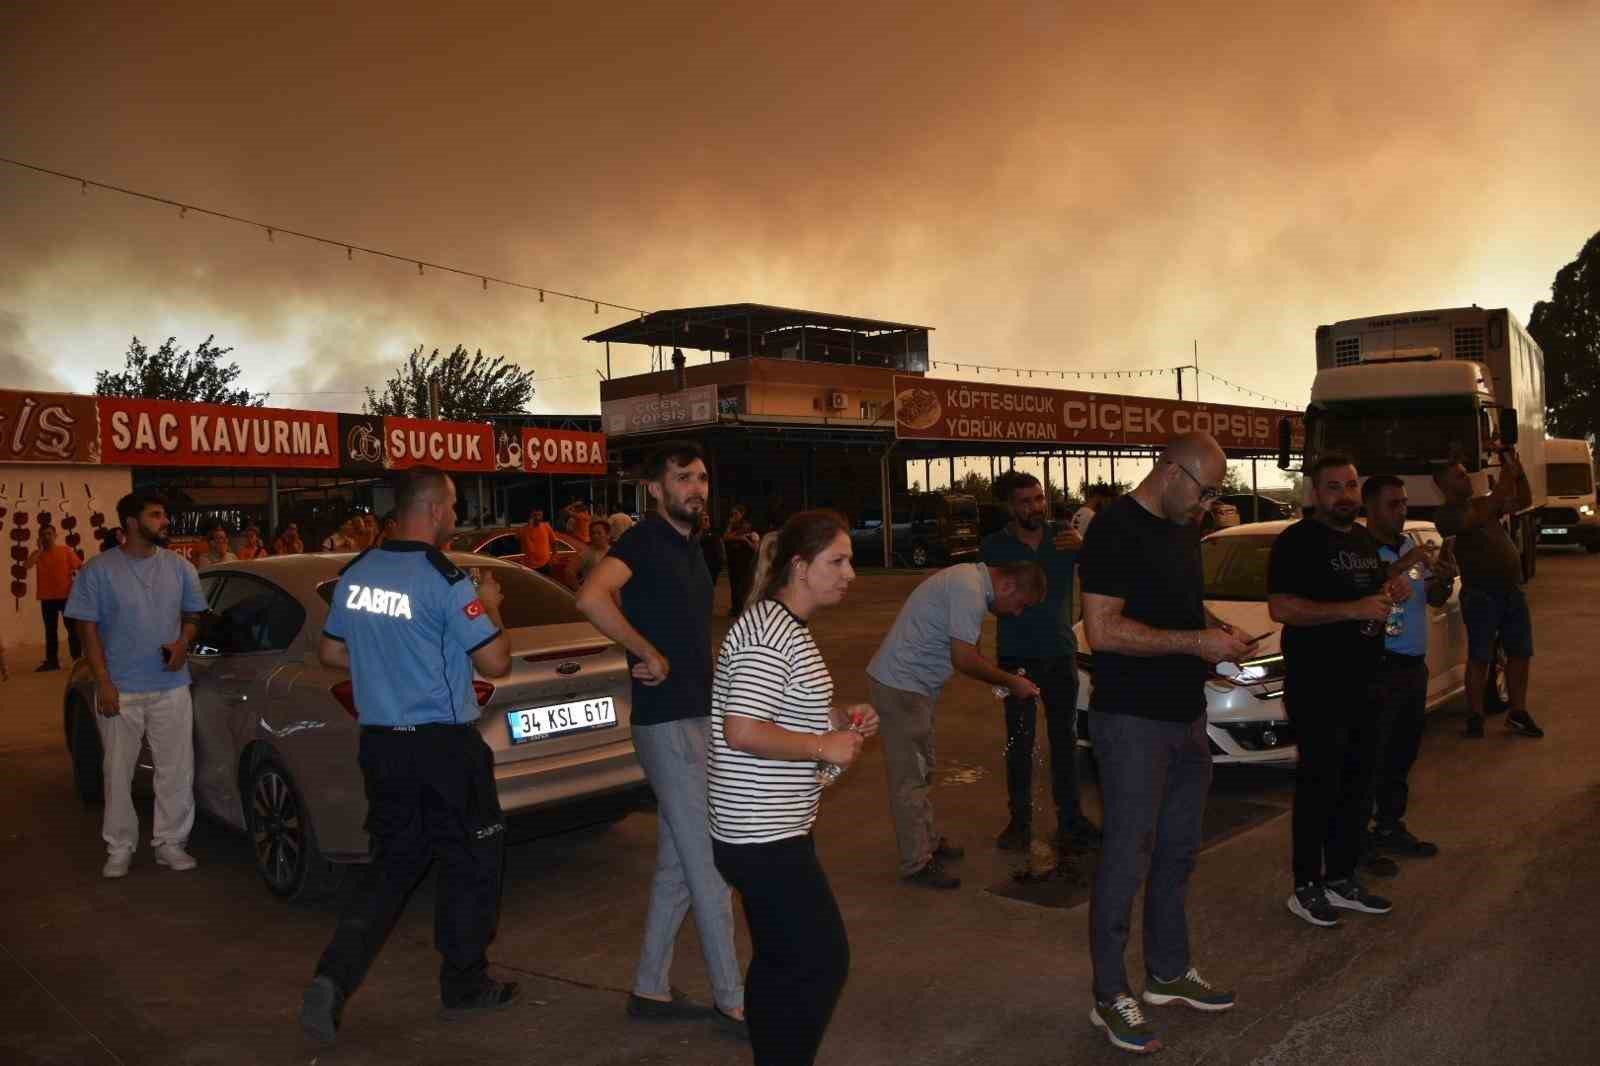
(1049, 185)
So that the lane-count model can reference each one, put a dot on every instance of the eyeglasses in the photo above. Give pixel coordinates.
(1207, 492)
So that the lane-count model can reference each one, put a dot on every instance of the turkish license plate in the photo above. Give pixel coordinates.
(1558, 531)
(542, 723)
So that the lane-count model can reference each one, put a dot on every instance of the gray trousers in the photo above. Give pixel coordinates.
(905, 724)
(673, 755)
(1154, 777)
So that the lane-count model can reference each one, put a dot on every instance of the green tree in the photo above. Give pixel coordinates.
(470, 386)
(974, 484)
(1567, 327)
(196, 376)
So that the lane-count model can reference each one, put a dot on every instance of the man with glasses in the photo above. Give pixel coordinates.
(1145, 616)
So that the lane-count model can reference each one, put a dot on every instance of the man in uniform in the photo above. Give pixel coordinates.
(411, 628)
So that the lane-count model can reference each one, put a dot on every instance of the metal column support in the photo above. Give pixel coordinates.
(1255, 493)
(272, 506)
(887, 491)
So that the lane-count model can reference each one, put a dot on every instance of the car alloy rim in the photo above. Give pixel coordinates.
(278, 835)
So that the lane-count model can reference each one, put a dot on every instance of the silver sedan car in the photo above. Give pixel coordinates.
(275, 731)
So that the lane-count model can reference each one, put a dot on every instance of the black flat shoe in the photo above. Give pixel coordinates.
(491, 997)
(729, 1024)
(655, 1010)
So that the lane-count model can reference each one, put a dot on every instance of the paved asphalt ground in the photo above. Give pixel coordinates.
(1489, 957)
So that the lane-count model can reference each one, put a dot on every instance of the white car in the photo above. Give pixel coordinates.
(1244, 716)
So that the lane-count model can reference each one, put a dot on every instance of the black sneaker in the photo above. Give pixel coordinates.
(47, 667)
(1348, 894)
(933, 876)
(1474, 727)
(1017, 836)
(1378, 865)
(1310, 903)
(322, 1010)
(660, 1010)
(1522, 724)
(1396, 840)
(1082, 835)
(945, 849)
(492, 996)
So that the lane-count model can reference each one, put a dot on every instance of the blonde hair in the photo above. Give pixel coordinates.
(765, 555)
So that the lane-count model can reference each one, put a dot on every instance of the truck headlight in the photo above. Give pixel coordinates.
(1585, 509)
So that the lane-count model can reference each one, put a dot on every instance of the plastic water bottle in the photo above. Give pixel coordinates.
(1001, 692)
(1396, 622)
(829, 772)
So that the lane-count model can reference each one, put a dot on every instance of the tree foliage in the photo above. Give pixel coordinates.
(196, 376)
(1567, 328)
(470, 386)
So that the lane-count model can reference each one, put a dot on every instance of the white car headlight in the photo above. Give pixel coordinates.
(1585, 509)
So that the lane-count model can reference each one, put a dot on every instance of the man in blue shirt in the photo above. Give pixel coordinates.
(1400, 687)
(410, 627)
(1039, 643)
(138, 607)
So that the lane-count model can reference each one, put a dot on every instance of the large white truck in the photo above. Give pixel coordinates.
(1571, 514)
(1403, 394)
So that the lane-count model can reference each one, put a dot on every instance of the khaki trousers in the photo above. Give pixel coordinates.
(905, 722)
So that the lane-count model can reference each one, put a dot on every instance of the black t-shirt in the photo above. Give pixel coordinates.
(668, 600)
(1313, 560)
(1153, 566)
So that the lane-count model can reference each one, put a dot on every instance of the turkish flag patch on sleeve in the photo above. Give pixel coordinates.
(474, 609)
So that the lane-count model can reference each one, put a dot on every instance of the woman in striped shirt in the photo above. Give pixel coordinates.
(772, 722)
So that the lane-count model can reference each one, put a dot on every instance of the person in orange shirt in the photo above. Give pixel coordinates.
(578, 521)
(537, 542)
(289, 542)
(57, 564)
(252, 548)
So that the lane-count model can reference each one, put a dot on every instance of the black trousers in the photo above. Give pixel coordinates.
(430, 795)
(1057, 679)
(1336, 728)
(51, 610)
(801, 954)
(1400, 694)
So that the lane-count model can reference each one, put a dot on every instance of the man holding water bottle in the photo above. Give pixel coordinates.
(1400, 685)
(1328, 587)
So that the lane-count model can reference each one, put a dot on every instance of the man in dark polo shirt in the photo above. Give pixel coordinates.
(1038, 643)
(657, 573)
(1145, 616)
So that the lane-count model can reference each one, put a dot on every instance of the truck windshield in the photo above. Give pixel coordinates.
(1399, 441)
(1568, 479)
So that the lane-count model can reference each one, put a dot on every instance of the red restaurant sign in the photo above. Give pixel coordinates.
(563, 451)
(927, 409)
(48, 427)
(447, 445)
(166, 433)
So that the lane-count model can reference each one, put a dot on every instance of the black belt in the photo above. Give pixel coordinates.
(420, 728)
(1402, 659)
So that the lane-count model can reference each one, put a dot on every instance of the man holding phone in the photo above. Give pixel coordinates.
(1329, 588)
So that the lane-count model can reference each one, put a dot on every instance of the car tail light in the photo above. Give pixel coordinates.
(484, 690)
(345, 693)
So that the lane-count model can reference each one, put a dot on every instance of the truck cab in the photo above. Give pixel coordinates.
(1570, 512)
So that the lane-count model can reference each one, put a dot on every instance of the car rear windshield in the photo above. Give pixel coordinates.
(530, 599)
(1236, 567)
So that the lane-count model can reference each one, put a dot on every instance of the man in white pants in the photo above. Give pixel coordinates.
(138, 607)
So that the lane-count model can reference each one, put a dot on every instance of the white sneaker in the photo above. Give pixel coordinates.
(116, 865)
(173, 857)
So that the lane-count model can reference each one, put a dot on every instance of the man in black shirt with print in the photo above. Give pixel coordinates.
(652, 595)
(1331, 592)
(1145, 616)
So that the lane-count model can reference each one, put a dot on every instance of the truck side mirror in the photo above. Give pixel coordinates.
(1285, 438)
(1508, 426)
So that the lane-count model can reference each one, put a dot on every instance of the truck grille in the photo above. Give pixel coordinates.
(1469, 342)
(1559, 516)
(1347, 351)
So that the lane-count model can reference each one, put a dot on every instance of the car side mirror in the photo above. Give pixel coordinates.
(1285, 440)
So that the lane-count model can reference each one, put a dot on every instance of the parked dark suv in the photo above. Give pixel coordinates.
(930, 529)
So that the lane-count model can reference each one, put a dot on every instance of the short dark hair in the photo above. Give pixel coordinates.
(133, 504)
(1010, 482)
(1327, 461)
(673, 452)
(1376, 484)
(415, 485)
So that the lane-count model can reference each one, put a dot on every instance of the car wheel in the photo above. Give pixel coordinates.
(88, 757)
(1592, 546)
(282, 837)
(919, 556)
